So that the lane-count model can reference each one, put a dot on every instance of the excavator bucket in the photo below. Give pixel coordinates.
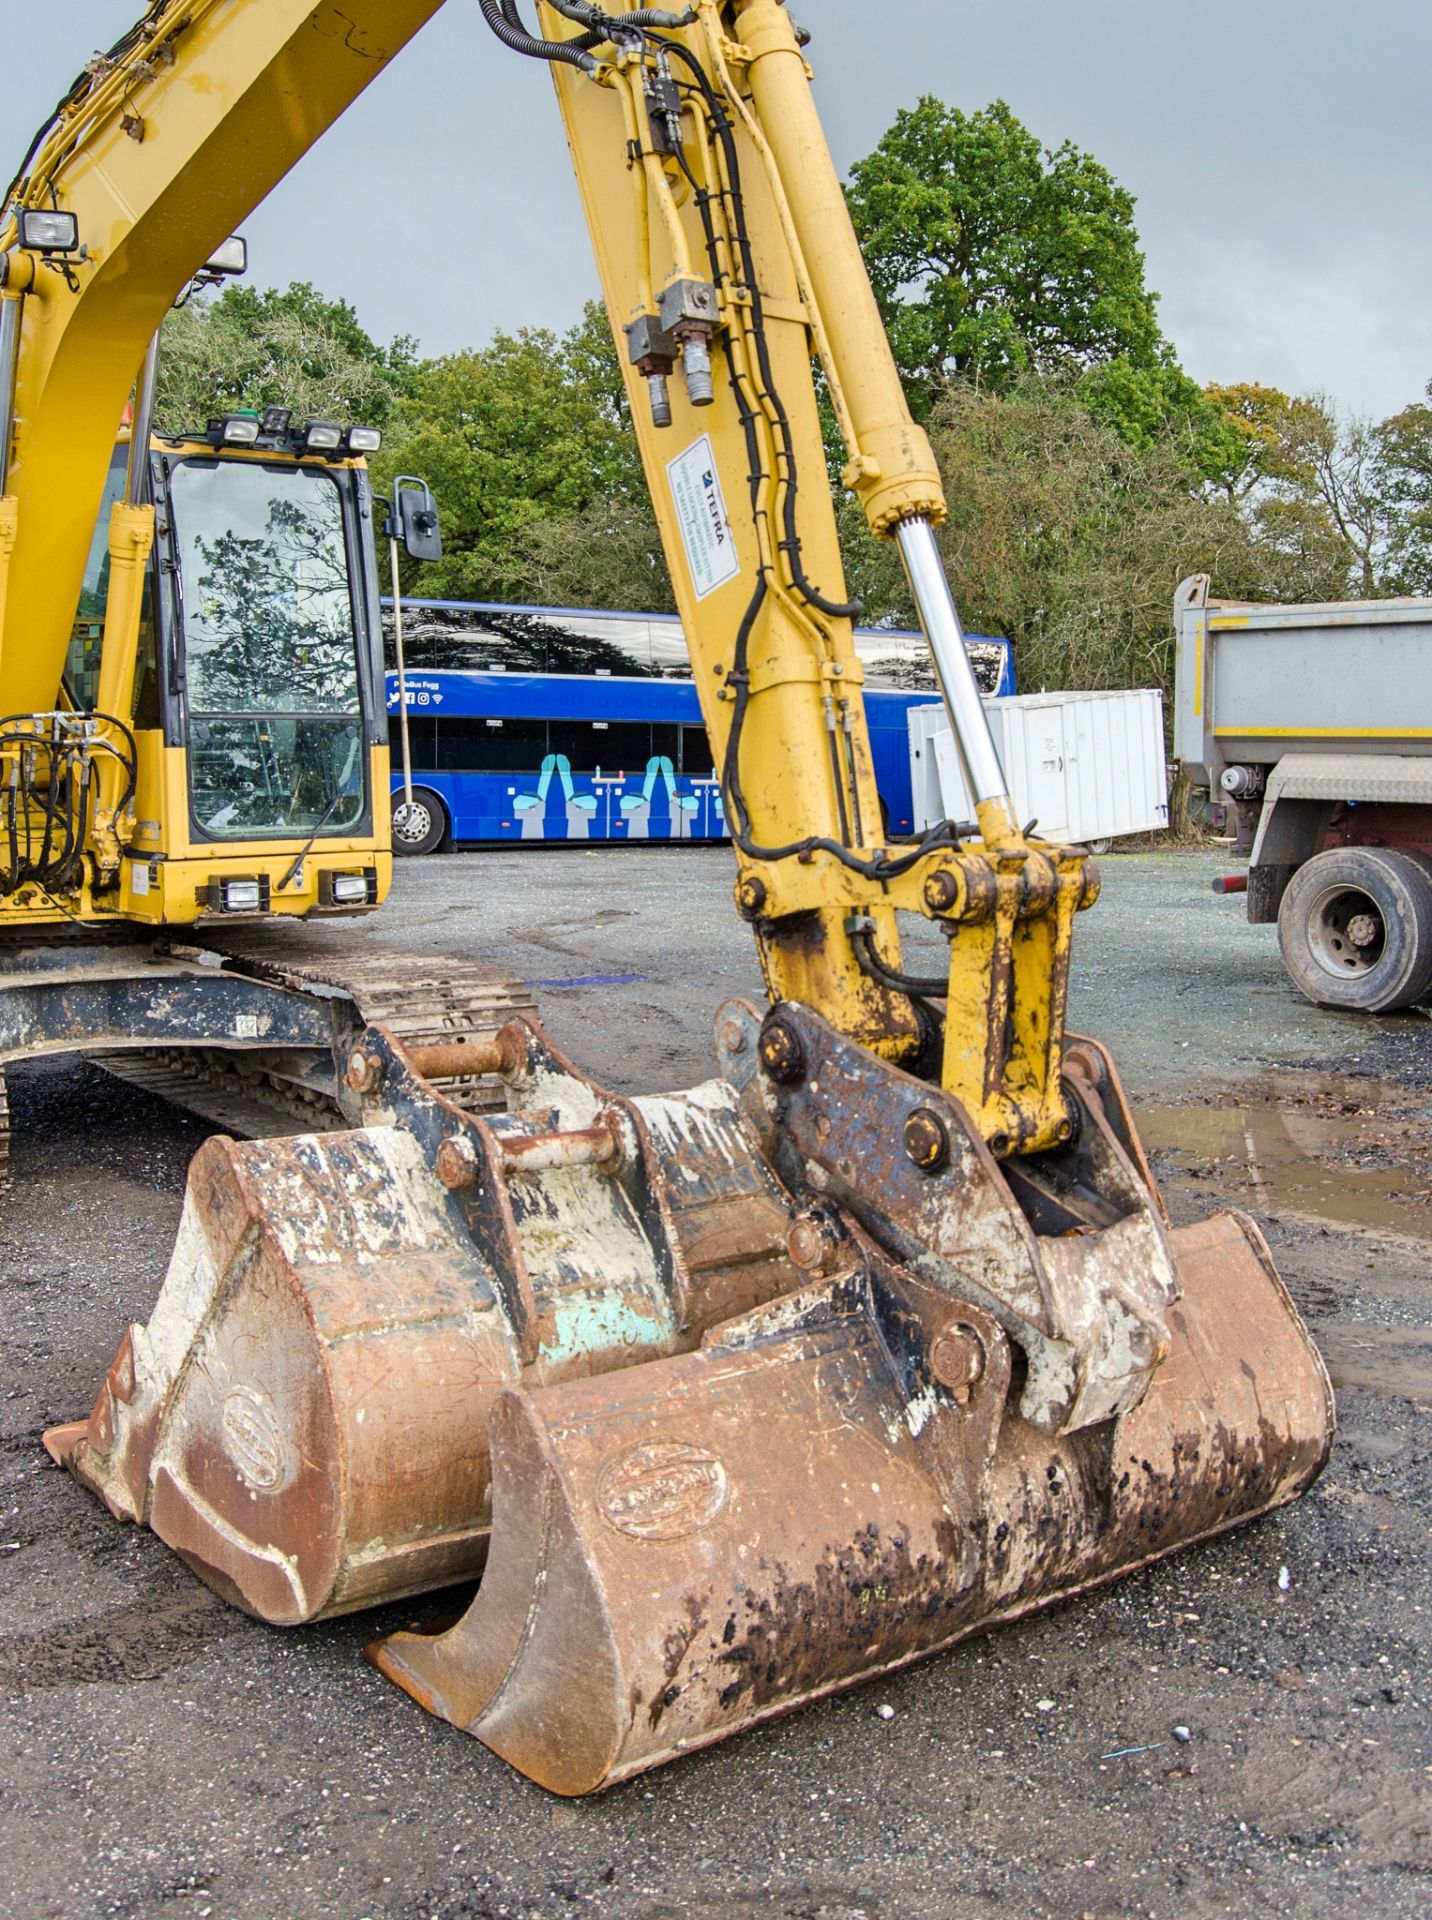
(304, 1419)
(753, 1406)
(986, 1397)
(830, 1488)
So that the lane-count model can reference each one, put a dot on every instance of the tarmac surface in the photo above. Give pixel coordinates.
(161, 1754)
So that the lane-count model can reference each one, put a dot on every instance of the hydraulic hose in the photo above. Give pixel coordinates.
(587, 14)
(516, 36)
(918, 986)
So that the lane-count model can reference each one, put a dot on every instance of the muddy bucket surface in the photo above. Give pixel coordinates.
(304, 1418)
(832, 1487)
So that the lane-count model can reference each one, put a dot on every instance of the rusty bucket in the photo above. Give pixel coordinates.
(304, 1418)
(833, 1486)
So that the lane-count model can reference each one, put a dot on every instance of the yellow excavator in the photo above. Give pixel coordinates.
(193, 749)
(739, 1395)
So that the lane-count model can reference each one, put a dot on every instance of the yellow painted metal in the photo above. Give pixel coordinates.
(224, 96)
(1011, 900)
(131, 541)
(893, 467)
(1324, 733)
(804, 675)
(208, 105)
(9, 521)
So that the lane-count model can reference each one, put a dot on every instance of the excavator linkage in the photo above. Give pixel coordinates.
(763, 1388)
(752, 1408)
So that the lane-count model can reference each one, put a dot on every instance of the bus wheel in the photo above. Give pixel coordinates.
(420, 824)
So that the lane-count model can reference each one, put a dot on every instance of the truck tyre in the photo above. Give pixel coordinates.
(421, 827)
(1355, 929)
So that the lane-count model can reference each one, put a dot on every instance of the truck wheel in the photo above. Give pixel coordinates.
(419, 827)
(1355, 929)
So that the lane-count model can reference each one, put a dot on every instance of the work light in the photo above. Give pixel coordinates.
(322, 436)
(43, 230)
(229, 260)
(234, 430)
(363, 440)
(238, 896)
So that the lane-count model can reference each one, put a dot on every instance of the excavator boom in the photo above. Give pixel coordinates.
(880, 1337)
(164, 147)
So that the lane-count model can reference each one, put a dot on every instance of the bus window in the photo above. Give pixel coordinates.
(480, 746)
(422, 740)
(621, 746)
(695, 753)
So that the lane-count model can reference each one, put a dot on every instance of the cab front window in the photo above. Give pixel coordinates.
(270, 650)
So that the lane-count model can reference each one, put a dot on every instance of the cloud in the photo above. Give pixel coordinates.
(1332, 319)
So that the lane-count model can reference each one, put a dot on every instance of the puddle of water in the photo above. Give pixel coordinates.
(1395, 1362)
(1288, 1157)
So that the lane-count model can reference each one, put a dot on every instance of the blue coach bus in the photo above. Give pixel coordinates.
(557, 724)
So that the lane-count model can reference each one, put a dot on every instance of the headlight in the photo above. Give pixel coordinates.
(234, 430)
(348, 889)
(322, 436)
(363, 440)
(44, 231)
(238, 896)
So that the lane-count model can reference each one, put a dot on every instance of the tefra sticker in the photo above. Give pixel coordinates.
(701, 513)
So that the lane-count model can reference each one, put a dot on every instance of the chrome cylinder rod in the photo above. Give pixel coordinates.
(136, 479)
(939, 617)
(9, 355)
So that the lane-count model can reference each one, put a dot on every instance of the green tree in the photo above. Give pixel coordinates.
(527, 445)
(1405, 478)
(1341, 492)
(1070, 541)
(253, 347)
(992, 256)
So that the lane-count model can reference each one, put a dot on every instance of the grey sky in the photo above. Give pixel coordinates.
(1279, 151)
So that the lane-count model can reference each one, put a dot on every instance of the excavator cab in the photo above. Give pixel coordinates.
(255, 714)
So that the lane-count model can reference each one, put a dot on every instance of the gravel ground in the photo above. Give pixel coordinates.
(162, 1754)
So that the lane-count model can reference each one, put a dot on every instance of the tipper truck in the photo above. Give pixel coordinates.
(1312, 727)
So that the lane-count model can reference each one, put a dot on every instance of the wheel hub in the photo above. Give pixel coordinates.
(1346, 932)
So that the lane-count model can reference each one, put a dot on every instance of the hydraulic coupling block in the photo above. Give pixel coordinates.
(688, 312)
(653, 352)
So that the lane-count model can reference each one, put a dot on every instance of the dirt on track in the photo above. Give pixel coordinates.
(161, 1754)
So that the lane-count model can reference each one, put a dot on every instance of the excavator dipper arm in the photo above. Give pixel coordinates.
(774, 1384)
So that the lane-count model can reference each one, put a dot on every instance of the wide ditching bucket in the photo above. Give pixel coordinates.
(832, 1487)
(760, 1389)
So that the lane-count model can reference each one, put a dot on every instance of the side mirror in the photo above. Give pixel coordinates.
(413, 519)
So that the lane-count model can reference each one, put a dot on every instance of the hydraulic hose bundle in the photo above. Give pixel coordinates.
(49, 790)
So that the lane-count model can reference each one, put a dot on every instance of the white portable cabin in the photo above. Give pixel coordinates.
(1084, 766)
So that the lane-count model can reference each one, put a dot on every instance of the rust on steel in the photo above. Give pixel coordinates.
(595, 1146)
(743, 1394)
(804, 1504)
(505, 1054)
(305, 1416)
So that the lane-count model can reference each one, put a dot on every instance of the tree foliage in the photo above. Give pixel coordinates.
(1086, 472)
(992, 256)
(1070, 541)
(528, 446)
(263, 348)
